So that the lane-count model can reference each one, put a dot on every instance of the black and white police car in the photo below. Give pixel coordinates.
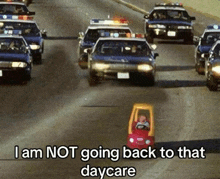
(169, 21)
(99, 28)
(212, 67)
(210, 35)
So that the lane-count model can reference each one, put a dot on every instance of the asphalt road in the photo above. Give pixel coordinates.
(58, 107)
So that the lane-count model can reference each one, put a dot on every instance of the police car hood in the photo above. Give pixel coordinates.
(204, 48)
(170, 22)
(32, 39)
(13, 57)
(122, 59)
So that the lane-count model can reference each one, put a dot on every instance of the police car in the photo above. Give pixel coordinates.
(14, 10)
(205, 42)
(212, 67)
(99, 28)
(15, 59)
(122, 58)
(169, 21)
(31, 33)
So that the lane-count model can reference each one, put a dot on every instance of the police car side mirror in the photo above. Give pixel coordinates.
(31, 13)
(192, 18)
(156, 55)
(196, 40)
(154, 47)
(146, 16)
(88, 50)
(44, 33)
(81, 35)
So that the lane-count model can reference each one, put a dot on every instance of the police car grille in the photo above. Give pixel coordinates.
(123, 66)
(5, 64)
(172, 27)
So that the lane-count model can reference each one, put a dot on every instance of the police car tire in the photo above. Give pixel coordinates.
(150, 39)
(93, 80)
(38, 58)
(212, 84)
(199, 69)
(188, 40)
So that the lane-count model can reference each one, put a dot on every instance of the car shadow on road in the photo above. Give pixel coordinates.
(180, 83)
(174, 68)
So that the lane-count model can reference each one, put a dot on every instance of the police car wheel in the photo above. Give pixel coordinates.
(199, 69)
(150, 39)
(188, 40)
(212, 84)
(37, 58)
(93, 80)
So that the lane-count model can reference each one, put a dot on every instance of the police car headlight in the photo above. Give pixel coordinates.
(152, 26)
(144, 67)
(157, 26)
(184, 27)
(100, 66)
(147, 141)
(19, 64)
(34, 47)
(216, 69)
(131, 140)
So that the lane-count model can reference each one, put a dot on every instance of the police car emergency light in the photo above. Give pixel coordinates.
(16, 17)
(214, 27)
(169, 4)
(108, 22)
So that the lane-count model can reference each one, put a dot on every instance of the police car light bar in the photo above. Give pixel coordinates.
(169, 4)
(214, 26)
(108, 22)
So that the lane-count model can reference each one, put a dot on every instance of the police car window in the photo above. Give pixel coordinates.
(25, 29)
(122, 48)
(217, 50)
(12, 9)
(94, 34)
(210, 38)
(170, 14)
(12, 45)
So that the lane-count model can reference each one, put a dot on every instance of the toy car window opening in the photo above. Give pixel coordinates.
(95, 34)
(12, 9)
(170, 14)
(12, 45)
(123, 48)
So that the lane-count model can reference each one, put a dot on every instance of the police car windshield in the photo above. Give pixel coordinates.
(26, 29)
(217, 50)
(93, 34)
(12, 45)
(12, 9)
(210, 38)
(122, 48)
(169, 14)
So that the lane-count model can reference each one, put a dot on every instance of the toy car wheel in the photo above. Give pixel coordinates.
(212, 84)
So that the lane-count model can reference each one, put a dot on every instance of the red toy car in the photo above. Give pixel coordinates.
(141, 127)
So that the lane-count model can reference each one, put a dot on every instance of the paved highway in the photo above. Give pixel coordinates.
(58, 107)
